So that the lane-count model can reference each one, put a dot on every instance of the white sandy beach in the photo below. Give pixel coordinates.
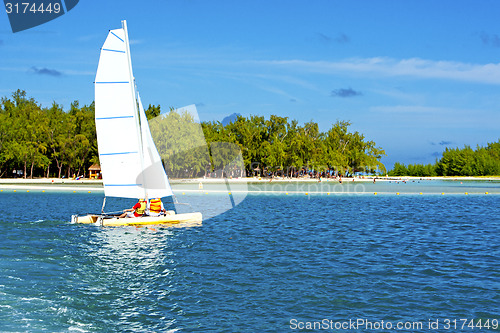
(54, 184)
(90, 185)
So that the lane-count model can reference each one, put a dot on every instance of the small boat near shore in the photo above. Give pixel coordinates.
(130, 163)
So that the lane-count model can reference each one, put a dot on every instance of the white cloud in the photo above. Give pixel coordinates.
(389, 67)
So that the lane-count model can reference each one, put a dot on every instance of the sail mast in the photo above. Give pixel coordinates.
(136, 112)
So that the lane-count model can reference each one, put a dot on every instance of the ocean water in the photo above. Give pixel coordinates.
(274, 263)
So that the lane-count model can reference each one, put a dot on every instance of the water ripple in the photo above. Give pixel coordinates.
(254, 268)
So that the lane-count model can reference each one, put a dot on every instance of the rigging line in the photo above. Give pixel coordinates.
(182, 203)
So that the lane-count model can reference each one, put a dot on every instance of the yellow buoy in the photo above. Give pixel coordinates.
(397, 193)
(420, 193)
(307, 193)
(442, 193)
(286, 193)
(229, 193)
(327, 193)
(486, 193)
(43, 191)
(74, 191)
(375, 193)
(15, 191)
(466, 193)
(27, 190)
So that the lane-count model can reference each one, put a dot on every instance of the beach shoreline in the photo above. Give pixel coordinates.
(87, 181)
(92, 185)
(277, 186)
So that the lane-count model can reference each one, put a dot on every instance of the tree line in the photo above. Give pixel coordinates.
(38, 141)
(51, 142)
(279, 146)
(482, 161)
(45, 142)
(258, 146)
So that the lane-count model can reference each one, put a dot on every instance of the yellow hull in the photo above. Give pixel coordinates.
(175, 220)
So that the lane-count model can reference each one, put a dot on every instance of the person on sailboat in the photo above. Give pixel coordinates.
(155, 208)
(137, 211)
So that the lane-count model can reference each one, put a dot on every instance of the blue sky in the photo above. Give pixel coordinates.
(414, 76)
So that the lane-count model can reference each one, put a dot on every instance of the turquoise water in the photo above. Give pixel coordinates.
(349, 187)
(275, 263)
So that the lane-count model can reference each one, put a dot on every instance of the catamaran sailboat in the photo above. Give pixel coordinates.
(130, 163)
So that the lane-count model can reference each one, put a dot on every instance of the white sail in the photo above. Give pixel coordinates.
(155, 179)
(130, 164)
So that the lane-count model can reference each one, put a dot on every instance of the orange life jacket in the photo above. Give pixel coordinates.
(155, 205)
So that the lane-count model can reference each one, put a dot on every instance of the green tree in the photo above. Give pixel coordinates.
(483, 161)
(152, 111)
(41, 140)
